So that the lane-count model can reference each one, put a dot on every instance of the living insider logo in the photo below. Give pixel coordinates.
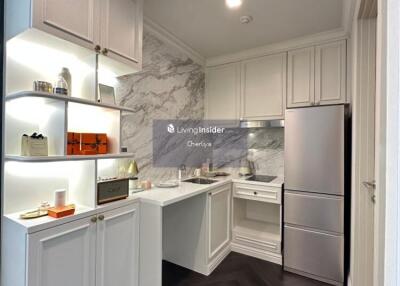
(171, 128)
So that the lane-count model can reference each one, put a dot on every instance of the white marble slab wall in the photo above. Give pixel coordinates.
(171, 86)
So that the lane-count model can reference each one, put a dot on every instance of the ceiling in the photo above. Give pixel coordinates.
(211, 29)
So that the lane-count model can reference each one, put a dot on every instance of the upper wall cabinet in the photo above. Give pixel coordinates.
(317, 75)
(301, 77)
(75, 23)
(121, 29)
(264, 88)
(110, 27)
(330, 73)
(222, 92)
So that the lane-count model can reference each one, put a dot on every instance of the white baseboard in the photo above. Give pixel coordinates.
(218, 259)
(264, 255)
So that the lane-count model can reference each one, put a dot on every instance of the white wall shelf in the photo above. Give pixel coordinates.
(52, 96)
(66, 158)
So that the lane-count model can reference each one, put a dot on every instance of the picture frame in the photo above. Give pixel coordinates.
(106, 94)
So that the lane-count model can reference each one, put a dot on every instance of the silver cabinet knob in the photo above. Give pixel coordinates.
(101, 217)
(93, 219)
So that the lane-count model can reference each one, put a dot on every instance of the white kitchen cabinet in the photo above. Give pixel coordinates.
(263, 87)
(98, 250)
(197, 231)
(76, 23)
(110, 27)
(121, 29)
(222, 96)
(301, 76)
(330, 73)
(256, 218)
(62, 255)
(218, 213)
(117, 261)
(317, 75)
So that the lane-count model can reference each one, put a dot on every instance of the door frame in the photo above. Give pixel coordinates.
(387, 250)
(387, 142)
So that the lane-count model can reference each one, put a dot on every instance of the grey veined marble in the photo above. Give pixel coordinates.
(171, 86)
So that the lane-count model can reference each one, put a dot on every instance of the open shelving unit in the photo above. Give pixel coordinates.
(29, 181)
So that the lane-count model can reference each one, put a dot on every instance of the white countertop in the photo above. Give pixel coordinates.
(158, 196)
(167, 196)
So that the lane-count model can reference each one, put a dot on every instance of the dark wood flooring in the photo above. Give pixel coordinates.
(236, 270)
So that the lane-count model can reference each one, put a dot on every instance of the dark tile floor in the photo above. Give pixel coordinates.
(236, 270)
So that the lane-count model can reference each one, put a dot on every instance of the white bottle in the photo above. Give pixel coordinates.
(60, 198)
(67, 77)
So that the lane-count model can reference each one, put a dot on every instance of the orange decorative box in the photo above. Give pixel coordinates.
(88, 143)
(102, 143)
(61, 211)
(73, 143)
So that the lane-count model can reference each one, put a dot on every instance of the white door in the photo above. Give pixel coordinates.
(73, 21)
(219, 209)
(263, 87)
(222, 92)
(117, 259)
(301, 77)
(363, 197)
(330, 73)
(121, 29)
(63, 255)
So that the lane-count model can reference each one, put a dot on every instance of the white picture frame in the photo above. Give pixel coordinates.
(106, 94)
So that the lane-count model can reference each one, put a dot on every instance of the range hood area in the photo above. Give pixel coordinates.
(262, 124)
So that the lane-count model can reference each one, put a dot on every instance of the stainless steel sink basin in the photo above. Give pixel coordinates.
(201, 181)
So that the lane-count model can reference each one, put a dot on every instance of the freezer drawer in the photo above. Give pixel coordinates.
(314, 211)
(314, 149)
(313, 252)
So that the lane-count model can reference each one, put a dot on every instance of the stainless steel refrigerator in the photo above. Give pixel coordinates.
(317, 192)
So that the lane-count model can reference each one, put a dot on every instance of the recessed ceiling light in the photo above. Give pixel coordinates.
(246, 19)
(233, 3)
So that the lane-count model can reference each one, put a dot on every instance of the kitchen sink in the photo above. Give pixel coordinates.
(201, 181)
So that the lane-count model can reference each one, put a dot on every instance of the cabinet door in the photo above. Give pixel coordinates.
(300, 78)
(63, 255)
(330, 73)
(219, 224)
(121, 29)
(75, 22)
(264, 87)
(222, 92)
(117, 260)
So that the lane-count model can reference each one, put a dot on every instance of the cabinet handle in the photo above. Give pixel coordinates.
(209, 194)
(105, 51)
(101, 217)
(93, 219)
(255, 193)
(97, 49)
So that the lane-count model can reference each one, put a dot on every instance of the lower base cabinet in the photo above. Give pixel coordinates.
(101, 250)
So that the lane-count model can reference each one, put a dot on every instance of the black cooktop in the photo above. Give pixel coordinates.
(261, 178)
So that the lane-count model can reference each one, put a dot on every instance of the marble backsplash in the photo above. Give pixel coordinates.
(171, 86)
